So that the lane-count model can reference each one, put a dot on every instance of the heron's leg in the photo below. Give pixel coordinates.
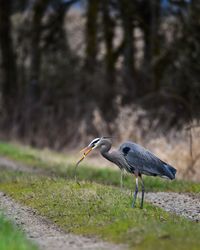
(136, 191)
(121, 178)
(142, 200)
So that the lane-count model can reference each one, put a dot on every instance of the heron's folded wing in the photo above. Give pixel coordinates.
(145, 161)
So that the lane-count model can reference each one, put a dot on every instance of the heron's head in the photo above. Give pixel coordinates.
(97, 142)
(92, 145)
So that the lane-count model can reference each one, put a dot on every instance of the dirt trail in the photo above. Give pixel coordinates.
(50, 237)
(46, 234)
(187, 205)
(11, 165)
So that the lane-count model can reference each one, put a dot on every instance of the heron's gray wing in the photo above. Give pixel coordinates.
(145, 161)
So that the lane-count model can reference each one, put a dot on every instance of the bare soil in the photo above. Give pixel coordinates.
(187, 205)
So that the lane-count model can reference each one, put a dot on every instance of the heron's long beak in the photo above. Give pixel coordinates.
(85, 151)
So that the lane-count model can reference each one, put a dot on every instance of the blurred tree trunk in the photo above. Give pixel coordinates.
(88, 86)
(155, 43)
(150, 16)
(191, 39)
(110, 59)
(145, 13)
(39, 8)
(89, 89)
(127, 17)
(108, 28)
(91, 34)
(9, 78)
(29, 124)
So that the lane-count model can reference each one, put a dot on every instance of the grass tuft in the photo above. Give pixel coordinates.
(11, 238)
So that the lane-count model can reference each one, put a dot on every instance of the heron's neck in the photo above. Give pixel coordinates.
(106, 146)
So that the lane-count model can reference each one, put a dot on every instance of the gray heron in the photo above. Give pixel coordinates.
(134, 159)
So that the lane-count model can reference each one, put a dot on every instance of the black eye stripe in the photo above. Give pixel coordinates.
(95, 141)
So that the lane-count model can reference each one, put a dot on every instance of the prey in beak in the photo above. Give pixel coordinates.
(85, 151)
(93, 144)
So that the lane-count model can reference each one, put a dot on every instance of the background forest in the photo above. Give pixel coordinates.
(73, 70)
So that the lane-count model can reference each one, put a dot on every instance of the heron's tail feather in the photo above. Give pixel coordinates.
(170, 171)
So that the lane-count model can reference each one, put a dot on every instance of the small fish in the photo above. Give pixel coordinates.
(86, 152)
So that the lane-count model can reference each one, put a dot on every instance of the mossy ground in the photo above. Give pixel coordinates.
(11, 238)
(92, 209)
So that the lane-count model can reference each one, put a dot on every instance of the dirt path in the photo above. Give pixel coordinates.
(11, 165)
(44, 233)
(187, 205)
(50, 237)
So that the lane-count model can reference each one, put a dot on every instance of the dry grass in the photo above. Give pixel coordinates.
(174, 149)
(173, 146)
(177, 153)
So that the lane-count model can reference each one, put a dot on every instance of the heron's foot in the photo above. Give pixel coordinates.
(133, 204)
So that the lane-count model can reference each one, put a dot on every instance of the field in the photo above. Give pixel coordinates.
(95, 206)
(60, 165)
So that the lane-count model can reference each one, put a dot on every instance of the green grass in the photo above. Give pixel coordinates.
(21, 154)
(11, 238)
(105, 211)
(33, 157)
